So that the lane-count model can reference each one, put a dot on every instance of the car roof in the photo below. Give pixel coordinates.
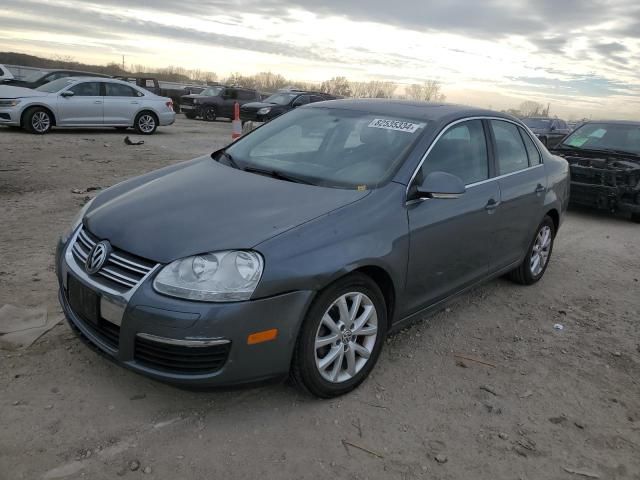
(633, 123)
(410, 108)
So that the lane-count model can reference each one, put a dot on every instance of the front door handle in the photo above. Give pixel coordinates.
(491, 205)
(541, 188)
(134, 102)
(98, 102)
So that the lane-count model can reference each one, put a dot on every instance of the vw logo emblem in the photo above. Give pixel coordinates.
(97, 256)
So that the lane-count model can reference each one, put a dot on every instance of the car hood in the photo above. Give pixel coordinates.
(258, 105)
(8, 91)
(201, 206)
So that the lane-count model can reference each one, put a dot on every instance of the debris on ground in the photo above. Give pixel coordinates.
(558, 326)
(471, 359)
(128, 141)
(134, 465)
(582, 473)
(20, 327)
(79, 191)
(489, 389)
(440, 458)
(370, 452)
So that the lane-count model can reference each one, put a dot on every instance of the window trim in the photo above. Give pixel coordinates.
(452, 124)
(496, 159)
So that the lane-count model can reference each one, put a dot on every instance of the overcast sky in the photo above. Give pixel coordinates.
(582, 56)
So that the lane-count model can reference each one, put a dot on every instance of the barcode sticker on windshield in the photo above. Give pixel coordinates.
(397, 125)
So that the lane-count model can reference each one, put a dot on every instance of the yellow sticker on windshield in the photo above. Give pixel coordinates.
(362, 188)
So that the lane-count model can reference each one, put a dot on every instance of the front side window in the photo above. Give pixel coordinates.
(319, 146)
(510, 151)
(461, 151)
(86, 89)
(119, 90)
(246, 95)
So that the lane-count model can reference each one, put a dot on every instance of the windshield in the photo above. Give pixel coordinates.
(56, 85)
(212, 91)
(539, 123)
(606, 136)
(26, 74)
(281, 98)
(329, 147)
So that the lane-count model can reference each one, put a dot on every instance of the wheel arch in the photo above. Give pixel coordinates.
(555, 216)
(38, 105)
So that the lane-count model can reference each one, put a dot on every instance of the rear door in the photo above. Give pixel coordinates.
(450, 238)
(523, 182)
(121, 104)
(85, 107)
(229, 98)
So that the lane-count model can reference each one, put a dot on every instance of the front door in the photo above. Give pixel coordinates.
(84, 108)
(523, 182)
(450, 238)
(121, 104)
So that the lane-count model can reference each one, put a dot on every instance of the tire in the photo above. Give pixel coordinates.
(190, 116)
(38, 120)
(209, 114)
(529, 272)
(635, 217)
(339, 378)
(146, 123)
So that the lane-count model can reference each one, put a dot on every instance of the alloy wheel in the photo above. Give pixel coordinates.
(346, 337)
(540, 251)
(40, 122)
(147, 123)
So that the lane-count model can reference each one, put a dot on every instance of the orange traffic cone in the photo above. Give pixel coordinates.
(236, 124)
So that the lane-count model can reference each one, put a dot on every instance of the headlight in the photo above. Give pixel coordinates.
(195, 101)
(228, 276)
(9, 102)
(77, 220)
(264, 111)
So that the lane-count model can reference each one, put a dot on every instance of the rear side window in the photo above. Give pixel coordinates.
(316, 98)
(532, 151)
(510, 150)
(119, 90)
(301, 100)
(461, 151)
(231, 93)
(86, 89)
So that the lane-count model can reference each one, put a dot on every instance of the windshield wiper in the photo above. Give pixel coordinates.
(277, 174)
(228, 156)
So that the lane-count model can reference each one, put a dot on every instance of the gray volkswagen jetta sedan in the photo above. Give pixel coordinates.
(299, 247)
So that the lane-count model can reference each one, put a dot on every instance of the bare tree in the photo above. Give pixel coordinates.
(532, 109)
(427, 91)
(337, 86)
(373, 89)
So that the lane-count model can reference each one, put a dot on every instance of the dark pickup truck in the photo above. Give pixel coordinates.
(279, 103)
(604, 160)
(216, 101)
(173, 90)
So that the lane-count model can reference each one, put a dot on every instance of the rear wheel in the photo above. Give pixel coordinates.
(146, 123)
(635, 217)
(341, 337)
(38, 120)
(536, 261)
(209, 114)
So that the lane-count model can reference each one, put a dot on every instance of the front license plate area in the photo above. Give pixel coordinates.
(84, 301)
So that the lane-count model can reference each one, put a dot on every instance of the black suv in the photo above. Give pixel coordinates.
(550, 131)
(279, 103)
(216, 101)
(34, 78)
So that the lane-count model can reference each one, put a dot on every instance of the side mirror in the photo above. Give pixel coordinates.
(441, 185)
(67, 93)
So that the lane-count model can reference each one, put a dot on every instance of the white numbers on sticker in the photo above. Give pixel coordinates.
(397, 125)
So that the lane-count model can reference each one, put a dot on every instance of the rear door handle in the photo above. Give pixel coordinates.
(491, 205)
(541, 188)
(134, 102)
(98, 102)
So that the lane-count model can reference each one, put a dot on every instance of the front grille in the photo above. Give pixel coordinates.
(122, 271)
(180, 359)
(186, 101)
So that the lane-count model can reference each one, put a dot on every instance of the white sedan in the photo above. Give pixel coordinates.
(84, 102)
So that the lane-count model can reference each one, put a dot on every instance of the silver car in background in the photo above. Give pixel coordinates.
(84, 102)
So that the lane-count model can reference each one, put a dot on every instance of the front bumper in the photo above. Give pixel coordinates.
(190, 108)
(10, 116)
(148, 316)
(602, 197)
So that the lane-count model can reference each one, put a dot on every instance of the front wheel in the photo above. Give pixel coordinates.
(190, 116)
(209, 114)
(635, 217)
(536, 261)
(38, 120)
(341, 337)
(146, 123)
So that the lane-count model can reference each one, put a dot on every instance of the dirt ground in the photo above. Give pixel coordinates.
(546, 404)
